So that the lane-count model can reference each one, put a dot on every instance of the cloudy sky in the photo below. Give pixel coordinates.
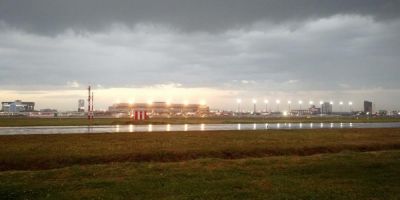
(213, 50)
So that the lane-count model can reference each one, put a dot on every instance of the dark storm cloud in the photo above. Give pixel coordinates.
(53, 16)
(300, 48)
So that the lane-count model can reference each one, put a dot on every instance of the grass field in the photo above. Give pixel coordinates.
(210, 120)
(273, 164)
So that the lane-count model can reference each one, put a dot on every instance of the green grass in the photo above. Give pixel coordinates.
(21, 121)
(262, 164)
(53, 151)
(347, 175)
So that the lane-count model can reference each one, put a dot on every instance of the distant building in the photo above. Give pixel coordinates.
(310, 111)
(17, 106)
(383, 112)
(160, 108)
(368, 107)
(314, 110)
(326, 108)
(300, 112)
(81, 105)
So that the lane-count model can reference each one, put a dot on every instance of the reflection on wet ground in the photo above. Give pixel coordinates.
(184, 127)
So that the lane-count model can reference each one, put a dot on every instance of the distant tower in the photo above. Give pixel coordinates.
(92, 109)
(81, 105)
(90, 104)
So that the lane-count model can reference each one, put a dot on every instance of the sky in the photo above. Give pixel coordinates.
(211, 50)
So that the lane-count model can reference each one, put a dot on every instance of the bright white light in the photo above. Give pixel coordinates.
(185, 102)
(150, 102)
(300, 102)
(266, 101)
(311, 102)
(331, 102)
(168, 102)
(285, 113)
(321, 102)
(203, 102)
(131, 128)
(289, 102)
(350, 103)
(278, 101)
(202, 127)
(238, 100)
(341, 103)
(254, 101)
(131, 101)
(117, 128)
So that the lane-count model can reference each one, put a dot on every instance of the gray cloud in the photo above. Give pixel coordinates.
(53, 16)
(251, 47)
(351, 50)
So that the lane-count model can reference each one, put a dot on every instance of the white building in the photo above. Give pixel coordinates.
(17, 106)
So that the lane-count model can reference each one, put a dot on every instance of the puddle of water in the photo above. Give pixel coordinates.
(183, 127)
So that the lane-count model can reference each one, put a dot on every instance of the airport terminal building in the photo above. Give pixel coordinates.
(161, 109)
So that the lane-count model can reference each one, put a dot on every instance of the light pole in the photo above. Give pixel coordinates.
(150, 104)
(289, 103)
(266, 105)
(341, 106)
(131, 102)
(320, 105)
(331, 105)
(185, 104)
(351, 106)
(254, 104)
(300, 103)
(168, 103)
(238, 101)
(310, 103)
(277, 104)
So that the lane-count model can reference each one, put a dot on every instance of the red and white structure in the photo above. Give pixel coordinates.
(90, 113)
(138, 115)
